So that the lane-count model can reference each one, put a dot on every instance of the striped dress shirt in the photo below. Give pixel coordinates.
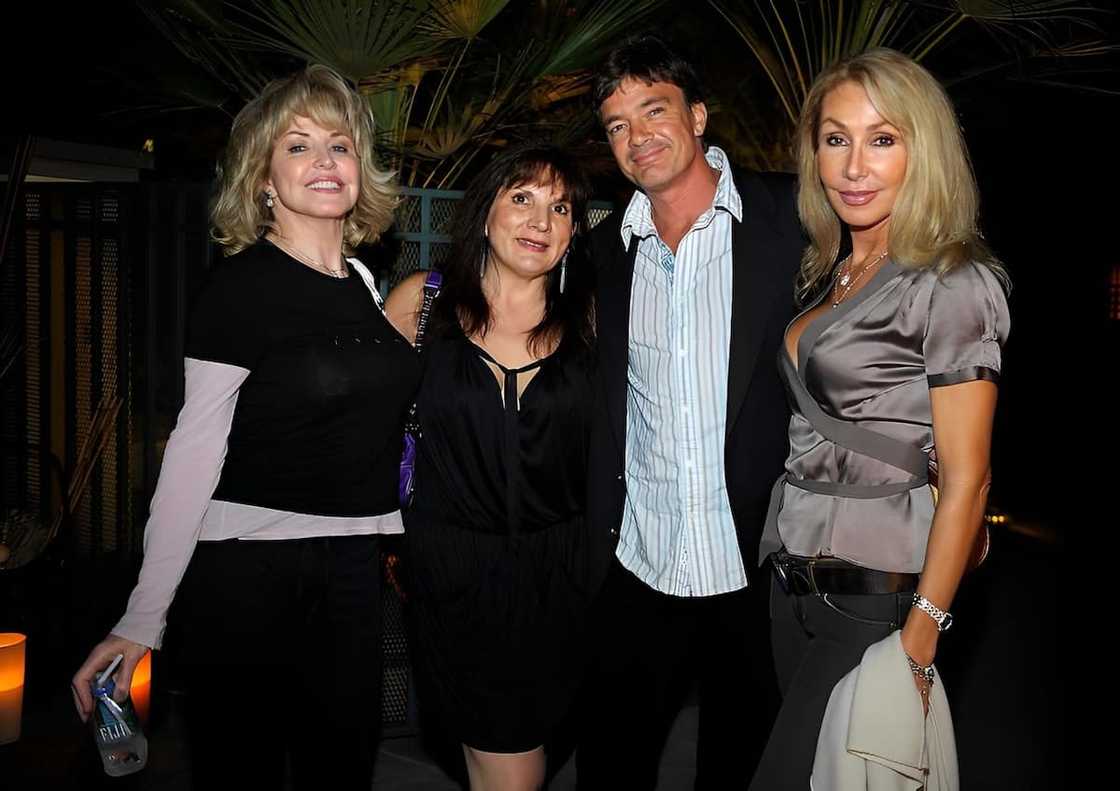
(678, 535)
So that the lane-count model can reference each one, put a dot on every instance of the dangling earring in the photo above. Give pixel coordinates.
(485, 251)
(563, 271)
(268, 200)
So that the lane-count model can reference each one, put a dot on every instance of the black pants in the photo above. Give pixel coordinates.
(280, 645)
(817, 640)
(650, 648)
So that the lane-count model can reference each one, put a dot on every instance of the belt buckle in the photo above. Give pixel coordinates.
(789, 575)
(781, 572)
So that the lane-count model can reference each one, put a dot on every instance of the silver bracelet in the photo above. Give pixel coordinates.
(944, 619)
(921, 671)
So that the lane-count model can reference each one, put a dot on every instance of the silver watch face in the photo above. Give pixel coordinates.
(945, 623)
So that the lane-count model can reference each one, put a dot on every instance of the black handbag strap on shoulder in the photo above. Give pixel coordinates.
(432, 286)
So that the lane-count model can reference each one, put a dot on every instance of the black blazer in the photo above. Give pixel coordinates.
(767, 248)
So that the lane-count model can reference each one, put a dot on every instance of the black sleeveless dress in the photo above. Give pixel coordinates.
(496, 554)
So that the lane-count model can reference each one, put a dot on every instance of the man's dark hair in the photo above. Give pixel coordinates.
(647, 58)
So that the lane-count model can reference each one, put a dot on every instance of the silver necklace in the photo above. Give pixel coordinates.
(847, 281)
(303, 259)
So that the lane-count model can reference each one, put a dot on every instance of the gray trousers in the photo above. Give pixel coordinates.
(816, 641)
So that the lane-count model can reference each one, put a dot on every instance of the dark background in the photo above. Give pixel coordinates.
(1046, 161)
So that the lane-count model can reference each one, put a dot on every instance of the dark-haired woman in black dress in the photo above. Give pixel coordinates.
(496, 549)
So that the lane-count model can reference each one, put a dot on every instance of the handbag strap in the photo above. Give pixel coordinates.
(367, 278)
(432, 285)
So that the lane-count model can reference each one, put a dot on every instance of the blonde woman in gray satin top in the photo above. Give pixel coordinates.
(892, 371)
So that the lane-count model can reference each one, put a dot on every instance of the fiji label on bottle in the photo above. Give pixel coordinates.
(114, 721)
(113, 731)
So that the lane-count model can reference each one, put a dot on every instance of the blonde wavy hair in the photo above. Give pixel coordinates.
(239, 214)
(934, 219)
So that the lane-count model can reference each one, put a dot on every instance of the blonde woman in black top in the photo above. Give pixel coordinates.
(282, 469)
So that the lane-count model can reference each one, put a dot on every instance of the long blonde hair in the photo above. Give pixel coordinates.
(934, 219)
(239, 214)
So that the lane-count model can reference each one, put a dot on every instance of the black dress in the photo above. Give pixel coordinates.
(496, 551)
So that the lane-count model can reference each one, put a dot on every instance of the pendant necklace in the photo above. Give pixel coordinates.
(847, 281)
(303, 259)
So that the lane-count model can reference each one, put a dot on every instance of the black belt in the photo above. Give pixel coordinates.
(802, 576)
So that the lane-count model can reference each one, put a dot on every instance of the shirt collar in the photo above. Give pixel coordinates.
(638, 218)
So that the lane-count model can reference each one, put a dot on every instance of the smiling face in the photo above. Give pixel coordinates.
(313, 173)
(654, 133)
(861, 158)
(529, 227)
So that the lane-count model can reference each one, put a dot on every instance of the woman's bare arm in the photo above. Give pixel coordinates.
(402, 308)
(962, 431)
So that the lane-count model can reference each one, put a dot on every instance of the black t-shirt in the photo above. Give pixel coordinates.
(318, 424)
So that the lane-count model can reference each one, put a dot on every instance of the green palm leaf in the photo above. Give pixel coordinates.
(191, 25)
(596, 27)
(461, 19)
(793, 42)
(356, 37)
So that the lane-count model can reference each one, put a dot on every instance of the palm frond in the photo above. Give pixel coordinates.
(793, 42)
(355, 37)
(596, 27)
(191, 28)
(461, 19)
(1026, 11)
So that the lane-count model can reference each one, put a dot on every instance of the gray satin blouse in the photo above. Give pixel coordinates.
(869, 364)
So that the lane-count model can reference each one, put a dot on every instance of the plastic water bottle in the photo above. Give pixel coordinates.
(116, 729)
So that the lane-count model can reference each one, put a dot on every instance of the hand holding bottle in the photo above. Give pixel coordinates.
(99, 659)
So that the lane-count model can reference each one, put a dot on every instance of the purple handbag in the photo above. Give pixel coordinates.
(412, 425)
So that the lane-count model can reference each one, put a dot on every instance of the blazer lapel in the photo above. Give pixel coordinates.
(753, 294)
(615, 282)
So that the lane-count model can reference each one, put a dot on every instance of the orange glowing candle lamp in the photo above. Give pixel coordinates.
(13, 652)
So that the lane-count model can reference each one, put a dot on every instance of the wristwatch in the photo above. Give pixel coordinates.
(944, 619)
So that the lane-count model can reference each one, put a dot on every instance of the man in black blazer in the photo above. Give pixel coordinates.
(695, 289)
